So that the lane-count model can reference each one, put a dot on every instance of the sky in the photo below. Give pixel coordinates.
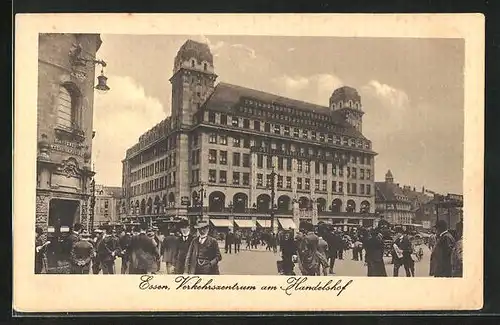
(411, 91)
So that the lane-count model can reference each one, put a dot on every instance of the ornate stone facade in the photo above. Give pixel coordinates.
(64, 121)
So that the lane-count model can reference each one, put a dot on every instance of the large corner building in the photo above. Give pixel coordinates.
(219, 147)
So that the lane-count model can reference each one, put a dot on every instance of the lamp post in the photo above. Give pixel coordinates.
(202, 192)
(273, 176)
(92, 204)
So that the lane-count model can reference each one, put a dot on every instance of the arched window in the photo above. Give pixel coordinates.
(336, 205)
(349, 103)
(204, 66)
(65, 113)
(340, 104)
(192, 63)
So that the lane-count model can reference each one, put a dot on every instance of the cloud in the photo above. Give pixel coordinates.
(315, 88)
(248, 50)
(395, 98)
(120, 116)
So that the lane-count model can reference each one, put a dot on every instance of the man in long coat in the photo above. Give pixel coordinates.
(107, 250)
(82, 254)
(143, 253)
(374, 256)
(203, 255)
(308, 256)
(169, 251)
(183, 243)
(441, 254)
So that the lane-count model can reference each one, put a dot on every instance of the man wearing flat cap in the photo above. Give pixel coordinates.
(203, 255)
(440, 265)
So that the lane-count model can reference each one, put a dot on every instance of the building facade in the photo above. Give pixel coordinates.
(64, 122)
(214, 157)
(107, 204)
(392, 203)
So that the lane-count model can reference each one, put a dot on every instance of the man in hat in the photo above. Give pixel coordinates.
(308, 256)
(107, 249)
(440, 265)
(124, 243)
(401, 252)
(41, 243)
(169, 251)
(203, 255)
(81, 254)
(143, 253)
(183, 243)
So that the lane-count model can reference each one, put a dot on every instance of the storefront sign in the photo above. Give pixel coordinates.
(67, 147)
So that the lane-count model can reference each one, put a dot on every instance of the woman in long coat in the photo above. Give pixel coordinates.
(374, 256)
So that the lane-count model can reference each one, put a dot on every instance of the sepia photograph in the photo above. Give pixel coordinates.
(199, 154)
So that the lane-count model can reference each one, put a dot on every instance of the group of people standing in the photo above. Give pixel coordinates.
(141, 249)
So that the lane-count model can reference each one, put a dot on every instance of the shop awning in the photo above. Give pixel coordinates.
(264, 223)
(245, 223)
(287, 223)
(221, 223)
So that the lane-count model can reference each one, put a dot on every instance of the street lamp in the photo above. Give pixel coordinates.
(202, 194)
(273, 176)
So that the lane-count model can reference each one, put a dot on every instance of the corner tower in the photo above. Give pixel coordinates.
(347, 102)
(192, 80)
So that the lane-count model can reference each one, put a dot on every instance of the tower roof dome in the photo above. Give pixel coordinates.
(346, 93)
(194, 50)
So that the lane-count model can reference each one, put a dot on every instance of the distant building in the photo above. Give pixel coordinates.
(392, 203)
(107, 204)
(228, 138)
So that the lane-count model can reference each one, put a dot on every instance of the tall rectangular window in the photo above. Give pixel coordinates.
(212, 138)
(246, 123)
(353, 171)
(341, 187)
(246, 178)
(325, 167)
(361, 188)
(223, 157)
(313, 135)
(246, 142)
(235, 121)
(236, 158)
(246, 160)
(260, 160)
(236, 178)
(316, 167)
(304, 134)
(307, 184)
(353, 188)
(267, 127)
(236, 141)
(324, 185)
(316, 184)
(212, 156)
(223, 139)
(289, 164)
(296, 132)
(288, 182)
(280, 163)
(287, 130)
(368, 174)
(341, 171)
(269, 162)
(368, 189)
(280, 181)
(222, 176)
(260, 180)
(211, 117)
(299, 183)
(277, 129)
(223, 119)
(299, 166)
(361, 173)
(334, 170)
(307, 167)
(256, 125)
(334, 186)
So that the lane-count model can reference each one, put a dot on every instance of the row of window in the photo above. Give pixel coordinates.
(285, 130)
(238, 158)
(282, 182)
(154, 168)
(237, 179)
(222, 139)
(154, 185)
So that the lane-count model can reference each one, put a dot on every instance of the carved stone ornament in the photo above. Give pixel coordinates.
(69, 168)
(80, 75)
(43, 147)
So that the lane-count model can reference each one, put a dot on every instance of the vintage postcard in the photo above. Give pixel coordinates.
(248, 162)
